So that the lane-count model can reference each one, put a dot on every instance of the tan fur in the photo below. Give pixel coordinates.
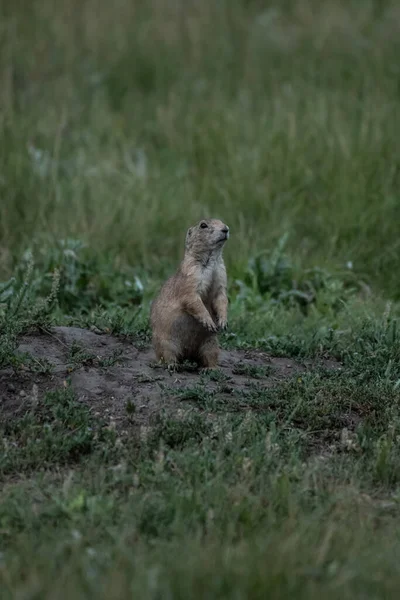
(192, 304)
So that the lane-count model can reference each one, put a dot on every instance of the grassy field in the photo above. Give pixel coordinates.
(121, 124)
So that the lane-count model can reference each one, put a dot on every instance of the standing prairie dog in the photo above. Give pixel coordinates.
(192, 304)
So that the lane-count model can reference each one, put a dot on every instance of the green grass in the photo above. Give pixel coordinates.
(279, 500)
(121, 124)
(56, 431)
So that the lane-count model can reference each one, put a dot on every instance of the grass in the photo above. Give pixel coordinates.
(252, 371)
(267, 490)
(57, 432)
(120, 125)
(278, 117)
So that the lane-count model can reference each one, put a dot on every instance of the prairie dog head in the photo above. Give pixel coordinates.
(208, 234)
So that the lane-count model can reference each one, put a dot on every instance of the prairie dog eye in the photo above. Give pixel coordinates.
(203, 225)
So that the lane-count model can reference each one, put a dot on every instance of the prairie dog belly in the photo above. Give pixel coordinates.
(188, 334)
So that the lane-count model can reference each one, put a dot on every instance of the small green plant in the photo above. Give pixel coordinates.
(110, 361)
(197, 393)
(26, 362)
(216, 375)
(130, 406)
(78, 356)
(254, 371)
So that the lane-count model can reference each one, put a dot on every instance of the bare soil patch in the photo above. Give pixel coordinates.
(122, 382)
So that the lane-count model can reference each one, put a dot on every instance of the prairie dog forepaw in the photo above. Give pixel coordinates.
(211, 326)
(222, 324)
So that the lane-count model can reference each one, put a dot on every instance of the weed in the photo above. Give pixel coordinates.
(130, 406)
(78, 356)
(216, 375)
(20, 311)
(26, 362)
(254, 371)
(197, 394)
(109, 361)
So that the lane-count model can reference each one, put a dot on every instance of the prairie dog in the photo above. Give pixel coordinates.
(192, 304)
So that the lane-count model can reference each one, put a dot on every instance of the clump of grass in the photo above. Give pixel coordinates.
(178, 433)
(79, 356)
(54, 430)
(254, 371)
(20, 310)
(216, 375)
(197, 393)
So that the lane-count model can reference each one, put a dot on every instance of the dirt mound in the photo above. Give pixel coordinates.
(121, 381)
